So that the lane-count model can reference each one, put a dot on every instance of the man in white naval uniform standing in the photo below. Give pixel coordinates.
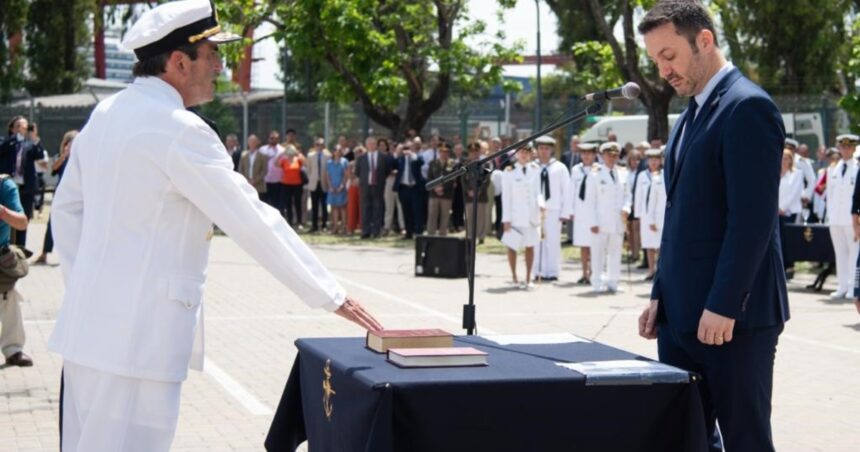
(610, 205)
(555, 182)
(841, 179)
(133, 218)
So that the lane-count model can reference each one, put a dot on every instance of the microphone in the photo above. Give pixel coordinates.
(629, 91)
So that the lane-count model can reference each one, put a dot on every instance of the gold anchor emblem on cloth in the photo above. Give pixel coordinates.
(328, 391)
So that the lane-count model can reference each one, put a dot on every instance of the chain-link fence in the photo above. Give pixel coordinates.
(466, 119)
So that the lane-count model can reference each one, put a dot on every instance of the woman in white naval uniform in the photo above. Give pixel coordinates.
(522, 207)
(790, 194)
(555, 181)
(610, 208)
(576, 206)
(653, 207)
(840, 189)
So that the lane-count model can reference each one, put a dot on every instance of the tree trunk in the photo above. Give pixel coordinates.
(658, 116)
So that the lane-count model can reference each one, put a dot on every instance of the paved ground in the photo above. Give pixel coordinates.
(252, 322)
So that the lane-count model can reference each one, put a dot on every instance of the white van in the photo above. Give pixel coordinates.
(804, 127)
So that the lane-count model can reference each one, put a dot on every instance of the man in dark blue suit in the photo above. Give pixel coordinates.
(719, 298)
(409, 186)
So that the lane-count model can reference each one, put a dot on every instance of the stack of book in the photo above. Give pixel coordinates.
(423, 348)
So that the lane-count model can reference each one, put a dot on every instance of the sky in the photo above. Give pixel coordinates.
(520, 24)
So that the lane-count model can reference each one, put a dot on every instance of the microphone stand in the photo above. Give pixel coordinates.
(478, 173)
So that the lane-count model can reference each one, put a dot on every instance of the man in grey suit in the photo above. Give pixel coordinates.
(373, 167)
(254, 165)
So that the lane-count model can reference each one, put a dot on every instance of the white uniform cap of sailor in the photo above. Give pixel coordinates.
(171, 25)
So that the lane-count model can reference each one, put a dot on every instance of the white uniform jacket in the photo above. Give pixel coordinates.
(521, 196)
(611, 198)
(809, 180)
(840, 190)
(559, 185)
(653, 208)
(133, 220)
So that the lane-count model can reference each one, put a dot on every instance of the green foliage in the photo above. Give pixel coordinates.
(851, 101)
(399, 59)
(788, 46)
(13, 14)
(56, 31)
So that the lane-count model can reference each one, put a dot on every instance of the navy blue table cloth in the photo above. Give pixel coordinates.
(343, 397)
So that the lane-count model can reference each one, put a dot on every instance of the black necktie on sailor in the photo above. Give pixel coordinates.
(544, 183)
(844, 168)
(582, 187)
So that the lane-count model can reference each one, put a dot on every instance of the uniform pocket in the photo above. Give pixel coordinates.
(187, 292)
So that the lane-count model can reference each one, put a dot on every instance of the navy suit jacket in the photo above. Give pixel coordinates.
(415, 168)
(721, 247)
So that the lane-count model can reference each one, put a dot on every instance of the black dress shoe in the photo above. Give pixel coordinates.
(649, 278)
(582, 280)
(19, 359)
(642, 266)
(365, 236)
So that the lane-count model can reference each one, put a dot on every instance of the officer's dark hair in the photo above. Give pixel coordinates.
(688, 16)
(157, 65)
(12, 123)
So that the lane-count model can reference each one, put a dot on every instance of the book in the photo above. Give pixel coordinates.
(627, 372)
(437, 357)
(381, 341)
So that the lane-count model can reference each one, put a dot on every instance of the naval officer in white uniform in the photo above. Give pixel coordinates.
(610, 207)
(522, 207)
(132, 223)
(653, 208)
(841, 180)
(555, 181)
(576, 204)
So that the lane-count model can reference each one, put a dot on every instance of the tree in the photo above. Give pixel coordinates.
(787, 46)
(13, 14)
(656, 92)
(55, 32)
(400, 60)
(850, 102)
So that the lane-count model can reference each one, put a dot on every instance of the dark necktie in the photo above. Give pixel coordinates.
(844, 168)
(524, 170)
(582, 187)
(633, 198)
(544, 182)
(648, 195)
(688, 126)
(612, 175)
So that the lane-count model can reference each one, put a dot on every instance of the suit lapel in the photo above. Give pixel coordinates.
(705, 111)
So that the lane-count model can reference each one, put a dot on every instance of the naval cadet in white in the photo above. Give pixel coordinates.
(841, 179)
(555, 182)
(653, 208)
(576, 206)
(133, 218)
(610, 208)
(522, 208)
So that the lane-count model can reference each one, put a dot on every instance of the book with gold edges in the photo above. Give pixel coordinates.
(437, 357)
(381, 341)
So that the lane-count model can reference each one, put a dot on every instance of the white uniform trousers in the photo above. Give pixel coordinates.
(606, 253)
(548, 253)
(104, 412)
(846, 250)
(11, 323)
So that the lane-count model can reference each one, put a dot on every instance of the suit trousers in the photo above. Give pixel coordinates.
(48, 244)
(11, 323)
(318, 200)
(274, 196)
(548, 253)
(372, 210)
(737, 383)
(410, 199)
(100, 411)
(392, 204)
(482, 220)
(846, 250)
(438, 214)
(606, 253)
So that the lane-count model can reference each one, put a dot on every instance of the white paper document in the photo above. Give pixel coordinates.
(535, 339)
(627, 372)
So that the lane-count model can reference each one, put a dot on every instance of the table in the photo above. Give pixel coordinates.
(808, 243)
(343, 397)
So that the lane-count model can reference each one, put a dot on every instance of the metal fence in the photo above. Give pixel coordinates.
(486, 118)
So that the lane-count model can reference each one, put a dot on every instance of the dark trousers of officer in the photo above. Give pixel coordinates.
(318, 202)
(737, 383)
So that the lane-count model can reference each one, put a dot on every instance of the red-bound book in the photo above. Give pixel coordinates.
(437, 357)
(381, 341)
